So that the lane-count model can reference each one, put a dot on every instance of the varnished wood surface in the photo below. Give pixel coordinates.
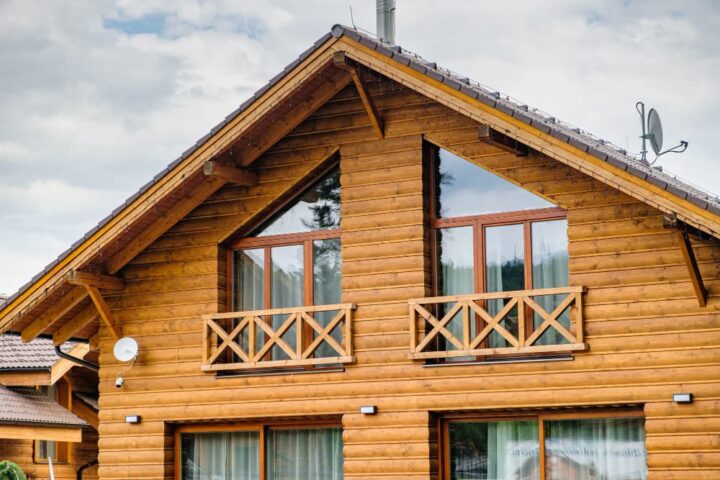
(647, 336)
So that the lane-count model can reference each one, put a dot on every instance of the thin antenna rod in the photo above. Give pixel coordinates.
(640, 107)
(352, 19)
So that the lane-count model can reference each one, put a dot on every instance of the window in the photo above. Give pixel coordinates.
(44, 449)
(287, 453)
(493, 236)
(551, 447)
(292, 260)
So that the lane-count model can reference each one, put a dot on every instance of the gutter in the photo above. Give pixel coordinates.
(79, 361)
(84, 467)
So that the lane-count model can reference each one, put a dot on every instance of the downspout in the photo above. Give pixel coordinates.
(79, 361)
(84, 467)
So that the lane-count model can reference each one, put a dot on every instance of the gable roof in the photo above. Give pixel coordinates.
(38, 354)
(182, 177)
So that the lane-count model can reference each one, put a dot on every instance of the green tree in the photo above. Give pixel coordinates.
(11, 471)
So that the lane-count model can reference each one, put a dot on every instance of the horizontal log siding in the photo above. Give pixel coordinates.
(647, 336)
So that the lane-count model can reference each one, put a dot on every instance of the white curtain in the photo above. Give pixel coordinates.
(603, 448)
(303, 454)
(550, 270)
(221, 456)
(494, 451)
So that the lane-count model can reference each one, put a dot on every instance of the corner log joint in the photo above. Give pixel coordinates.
(237, 176)
(340, 61)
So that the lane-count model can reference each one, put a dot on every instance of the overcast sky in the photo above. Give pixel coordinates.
(98, 96)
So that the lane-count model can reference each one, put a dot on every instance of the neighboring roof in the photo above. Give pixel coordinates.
(575, 137)
(91, 400)
(36, 355)
(27, 405)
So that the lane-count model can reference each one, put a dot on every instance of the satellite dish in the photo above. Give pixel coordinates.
(655, 132)
(125, 349)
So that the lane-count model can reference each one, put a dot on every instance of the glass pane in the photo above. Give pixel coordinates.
(249, 273)
(463, 188)
(287, 290)
(327, 265)
(302, 454)
(317, 209)
(607, 448)
(504, 272)
(494, 451)
(550, 270)
(221, 456)
(455, 275)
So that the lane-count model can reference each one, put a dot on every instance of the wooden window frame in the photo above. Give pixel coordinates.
(445, 421)
(262, 428)
(62, 449)
(479, 224)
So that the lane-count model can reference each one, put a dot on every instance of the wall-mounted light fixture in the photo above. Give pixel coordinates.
(368, 410)
(132, 418)
(682, 397)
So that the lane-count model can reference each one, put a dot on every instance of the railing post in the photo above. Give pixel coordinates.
(521, 320)
(299, 337)
(413, 327)
(466, 324)
(348, 331)
(206, 340)
(251, 339)
(579, 333)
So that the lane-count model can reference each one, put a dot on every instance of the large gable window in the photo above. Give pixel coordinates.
(494, 239)
(285, 286)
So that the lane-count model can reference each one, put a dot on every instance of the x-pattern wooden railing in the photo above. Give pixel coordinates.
(426, 329)
(222, 331)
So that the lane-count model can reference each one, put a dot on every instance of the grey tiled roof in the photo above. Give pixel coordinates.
(27, 405)
(576, 137)
(36, 355)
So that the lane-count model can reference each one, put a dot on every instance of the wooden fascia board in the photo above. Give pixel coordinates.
(63, 365)
(41, 432)
(19, 378)
(538, 140)
(216, 143)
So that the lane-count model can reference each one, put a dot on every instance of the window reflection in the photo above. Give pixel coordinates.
(316, 209)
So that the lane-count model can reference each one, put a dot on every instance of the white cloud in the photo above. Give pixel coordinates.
(90, 111)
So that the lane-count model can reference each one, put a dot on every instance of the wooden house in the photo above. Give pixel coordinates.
(377, 269)
(48, 409)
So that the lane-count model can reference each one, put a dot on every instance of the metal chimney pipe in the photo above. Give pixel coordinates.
(386, 20)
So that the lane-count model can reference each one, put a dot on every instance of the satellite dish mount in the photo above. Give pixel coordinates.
(652, 131)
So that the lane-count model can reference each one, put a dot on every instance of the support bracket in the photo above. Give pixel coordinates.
(693, 269)
(104, 311)
(238, 176)
(340, 60)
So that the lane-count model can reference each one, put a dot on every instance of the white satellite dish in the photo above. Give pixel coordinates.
(655, 132)
(125, 349)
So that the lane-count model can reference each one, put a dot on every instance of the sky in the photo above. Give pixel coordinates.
(97, 96)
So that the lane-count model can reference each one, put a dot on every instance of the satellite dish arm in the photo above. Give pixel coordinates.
(676, 149)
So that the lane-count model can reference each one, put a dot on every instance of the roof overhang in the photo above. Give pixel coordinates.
(283, 103)
(41, 432)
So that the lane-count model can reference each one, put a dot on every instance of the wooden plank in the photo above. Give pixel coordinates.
(81, 320)
(238, 176)
(104, 311)
(692, 265)
(340, 61)
(63, 365)
(53, 314)
(31, 432)
(106, 282)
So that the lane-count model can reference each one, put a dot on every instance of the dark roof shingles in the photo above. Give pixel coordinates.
(38, 354)
(27, 405)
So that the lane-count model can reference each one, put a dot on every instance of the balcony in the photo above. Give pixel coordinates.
(519, 323)
(278, 338)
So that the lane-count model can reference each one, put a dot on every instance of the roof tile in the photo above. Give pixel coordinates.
(27, 405)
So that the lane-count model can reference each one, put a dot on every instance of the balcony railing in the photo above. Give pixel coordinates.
(496, 324)
(278, 338)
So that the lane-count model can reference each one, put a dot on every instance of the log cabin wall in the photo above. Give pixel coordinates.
(648, 338)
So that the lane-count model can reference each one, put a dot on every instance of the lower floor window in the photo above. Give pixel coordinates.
(546, 448)
(261, 453)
